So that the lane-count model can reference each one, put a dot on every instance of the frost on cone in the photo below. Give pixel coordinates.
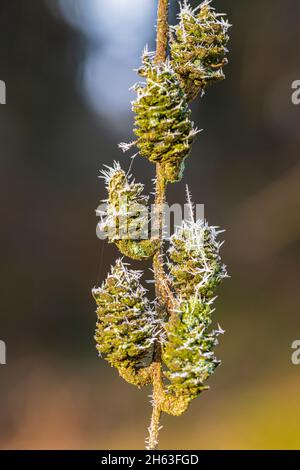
(162, 118)
(125, 326)
(188, 351)
(198, 49)
(195, 272)
(195, 263)
(126, 219)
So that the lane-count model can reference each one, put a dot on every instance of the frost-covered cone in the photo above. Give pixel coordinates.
(199, 47)
(162, 119)
(195, 272)
(126, 218)
(188, 349)
(125, 326)
(195, 263)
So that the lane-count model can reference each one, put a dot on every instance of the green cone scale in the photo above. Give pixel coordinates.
(199, 47)
(125, 320)
(195, 263)
(126, 219)
(188, 351)
(163, 123)
(195, 272)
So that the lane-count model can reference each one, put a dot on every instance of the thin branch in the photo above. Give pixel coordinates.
(162, 31)
(159, 275)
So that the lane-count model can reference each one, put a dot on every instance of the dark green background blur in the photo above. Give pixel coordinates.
(67, 66)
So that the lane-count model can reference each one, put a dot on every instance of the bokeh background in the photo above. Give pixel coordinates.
(68, 66)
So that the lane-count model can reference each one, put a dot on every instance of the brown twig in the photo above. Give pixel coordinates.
(159, 274)
(162, 31)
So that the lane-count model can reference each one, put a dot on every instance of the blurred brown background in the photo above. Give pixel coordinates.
(68, 66)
